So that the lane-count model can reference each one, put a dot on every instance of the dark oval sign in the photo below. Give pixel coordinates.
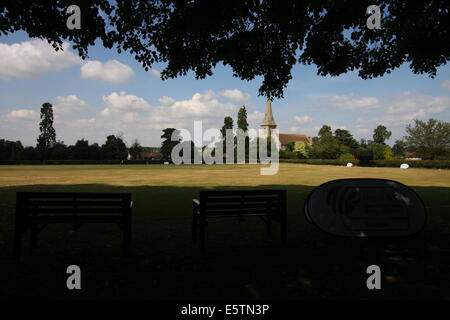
(365, 208)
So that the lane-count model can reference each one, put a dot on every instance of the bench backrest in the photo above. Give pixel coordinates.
(242, 202)
(70, 203)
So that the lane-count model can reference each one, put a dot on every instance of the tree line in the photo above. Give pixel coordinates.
(425, 139)
(49, 148)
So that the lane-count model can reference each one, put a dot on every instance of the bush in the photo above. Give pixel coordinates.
(288, 155)
(347, 156)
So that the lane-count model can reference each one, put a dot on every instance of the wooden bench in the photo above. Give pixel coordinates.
(35, 210)
(267, 204)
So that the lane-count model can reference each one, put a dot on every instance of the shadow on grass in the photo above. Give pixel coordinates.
(241, 262)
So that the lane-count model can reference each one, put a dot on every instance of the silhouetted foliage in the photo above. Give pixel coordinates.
(171, 137)
(135, 150)
(114, 148)
(255, 38)
(47, 137)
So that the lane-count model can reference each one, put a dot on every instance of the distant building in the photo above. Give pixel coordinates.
(269, 124)
(150, 155)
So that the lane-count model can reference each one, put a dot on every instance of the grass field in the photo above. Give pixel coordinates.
(241, 261)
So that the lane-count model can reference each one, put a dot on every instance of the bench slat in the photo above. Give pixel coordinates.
(71, 210)
(69, 203)
(65, 218)
(71, 195)
(267, 205)
(226, 199)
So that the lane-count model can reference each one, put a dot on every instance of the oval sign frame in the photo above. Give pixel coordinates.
(366, 207)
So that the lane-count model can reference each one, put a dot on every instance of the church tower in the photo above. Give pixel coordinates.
(268, 123)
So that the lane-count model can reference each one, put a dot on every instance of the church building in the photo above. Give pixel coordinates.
(269, 124)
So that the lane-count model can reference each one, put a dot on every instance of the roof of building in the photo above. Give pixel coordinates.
(285, 138)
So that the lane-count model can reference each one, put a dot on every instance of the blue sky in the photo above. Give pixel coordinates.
(110, 93)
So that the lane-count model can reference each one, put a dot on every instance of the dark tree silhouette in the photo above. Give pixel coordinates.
(242, 119)
(168, 143)
(114, 148)
(135, 150)
(47, 137)
(255, 38)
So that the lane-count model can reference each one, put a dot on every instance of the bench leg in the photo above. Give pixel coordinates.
(17, 248)
(126, 239)
(269, 227)
(33, 236)
(283, 231)
(202, 236)
(194, 224)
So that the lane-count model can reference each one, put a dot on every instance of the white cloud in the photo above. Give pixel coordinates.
(446, 84)
(21, 114)
(363, 131)
(32, 58)
(311, 131)
(338, 127)
(255, 116)
(166, 100)
(128, 113)
(304, 119)
(235, 96)
(201, 106)
(69, 104)
(413, 103)
(350, 102)
(81, 123)
(124, 102)
(111, 71)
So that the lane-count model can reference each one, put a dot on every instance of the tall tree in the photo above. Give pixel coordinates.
(171, 137)
(81, 150)
(47, 137)
(430, 139)
(243, 125)
(227, 124)
(326, 146)
(272, 36)
(242, 119)
(399, 148)
(135, 150)
(114, 148)
(381, 134)
(325, 132)
(346, 138)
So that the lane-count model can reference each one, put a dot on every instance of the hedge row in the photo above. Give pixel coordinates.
(336, 162)
(437, 164)
(56, 162)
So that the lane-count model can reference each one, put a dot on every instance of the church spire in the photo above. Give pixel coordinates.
(268, 117)
(268, 123)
